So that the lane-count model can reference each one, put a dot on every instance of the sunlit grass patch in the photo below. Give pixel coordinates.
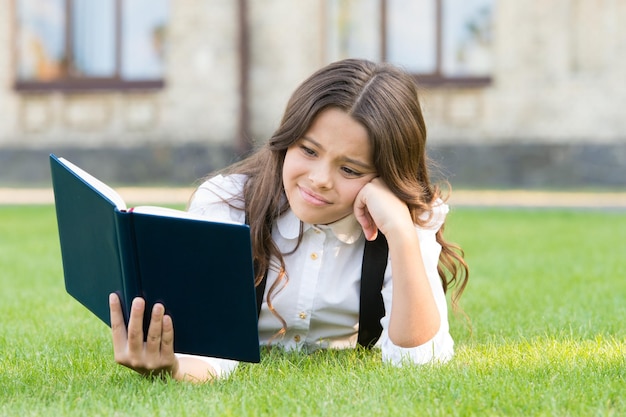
(546, 301)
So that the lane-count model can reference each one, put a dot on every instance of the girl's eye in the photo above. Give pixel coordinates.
(307, 150)
(350, 172)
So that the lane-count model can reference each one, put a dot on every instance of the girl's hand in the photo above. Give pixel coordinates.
(156, 355)
(377, 208)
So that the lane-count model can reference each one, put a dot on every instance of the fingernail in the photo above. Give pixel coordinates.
(137, 303)
(158, 309)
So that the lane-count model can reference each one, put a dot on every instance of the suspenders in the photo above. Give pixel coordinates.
(371, 307)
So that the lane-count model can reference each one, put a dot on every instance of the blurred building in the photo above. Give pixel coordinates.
(515, 93)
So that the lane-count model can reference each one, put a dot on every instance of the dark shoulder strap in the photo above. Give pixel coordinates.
(260, 290)
(371, 308)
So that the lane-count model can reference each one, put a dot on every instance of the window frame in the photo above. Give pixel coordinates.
(436, 78)
(72, 83)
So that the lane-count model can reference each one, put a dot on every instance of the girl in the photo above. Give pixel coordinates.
(346, 163)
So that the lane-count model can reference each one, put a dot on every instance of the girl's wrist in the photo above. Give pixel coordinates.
(402, 232)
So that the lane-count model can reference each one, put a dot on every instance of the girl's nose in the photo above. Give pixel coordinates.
(320, 176)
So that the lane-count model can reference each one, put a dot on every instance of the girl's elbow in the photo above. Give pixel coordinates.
(408, 339)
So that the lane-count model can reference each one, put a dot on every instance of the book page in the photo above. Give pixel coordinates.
(113, 196)
(101, 187)
(170, 212)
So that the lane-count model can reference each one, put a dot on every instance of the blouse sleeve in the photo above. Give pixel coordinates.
(210, 201)
(441, 347)
(219, 199)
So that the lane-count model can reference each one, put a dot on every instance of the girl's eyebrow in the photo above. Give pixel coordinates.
(364, 165)
(313, 141)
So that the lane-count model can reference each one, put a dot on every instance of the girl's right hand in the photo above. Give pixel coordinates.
(156, 355)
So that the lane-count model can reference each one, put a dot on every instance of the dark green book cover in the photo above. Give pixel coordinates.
(200, 270)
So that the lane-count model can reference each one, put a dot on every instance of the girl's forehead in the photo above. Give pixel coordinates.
(334, 131)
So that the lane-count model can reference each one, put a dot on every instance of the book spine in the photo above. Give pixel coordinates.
(128, 257)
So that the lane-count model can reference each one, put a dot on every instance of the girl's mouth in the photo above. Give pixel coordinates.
(312, 198)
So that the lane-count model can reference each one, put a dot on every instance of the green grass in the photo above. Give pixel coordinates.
(547, 302)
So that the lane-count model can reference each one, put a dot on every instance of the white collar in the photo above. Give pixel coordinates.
(347, 230)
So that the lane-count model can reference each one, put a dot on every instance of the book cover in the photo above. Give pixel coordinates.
(200, 270)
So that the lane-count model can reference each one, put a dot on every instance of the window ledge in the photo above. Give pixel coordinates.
(445, 82)
(87, 85)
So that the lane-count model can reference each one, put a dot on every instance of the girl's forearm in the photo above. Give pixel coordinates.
(194, 370)
(414, 318)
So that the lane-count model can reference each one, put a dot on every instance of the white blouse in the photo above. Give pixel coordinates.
(319, 299)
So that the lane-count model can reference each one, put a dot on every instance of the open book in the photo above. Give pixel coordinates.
(200, 270)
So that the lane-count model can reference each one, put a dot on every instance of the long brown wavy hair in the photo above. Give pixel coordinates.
(385, 101)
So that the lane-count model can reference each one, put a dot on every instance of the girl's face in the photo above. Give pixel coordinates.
(326, 168)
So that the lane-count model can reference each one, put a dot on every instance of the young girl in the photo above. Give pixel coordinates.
(347, 163)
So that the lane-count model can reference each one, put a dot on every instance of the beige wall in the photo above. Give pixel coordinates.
(560, 69)
(201, 98)
(7, 99)
(560, 76)
(285, 48)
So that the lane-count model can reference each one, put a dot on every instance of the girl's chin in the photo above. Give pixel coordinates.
(311, 219)
(315, 218)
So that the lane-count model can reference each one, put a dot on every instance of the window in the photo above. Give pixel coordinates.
(440, 41)
(86, 44)
(350, 31)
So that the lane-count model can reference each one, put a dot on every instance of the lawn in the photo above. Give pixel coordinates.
(547, 303)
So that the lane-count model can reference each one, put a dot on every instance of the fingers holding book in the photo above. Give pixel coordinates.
(160, 340)
(155, 355)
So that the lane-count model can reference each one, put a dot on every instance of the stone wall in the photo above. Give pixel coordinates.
(556, 98)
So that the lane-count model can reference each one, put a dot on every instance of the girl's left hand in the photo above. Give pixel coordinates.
(377, 208)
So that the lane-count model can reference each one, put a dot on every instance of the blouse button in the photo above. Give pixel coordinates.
(314, 256)
(296, 338)
(302, 315)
